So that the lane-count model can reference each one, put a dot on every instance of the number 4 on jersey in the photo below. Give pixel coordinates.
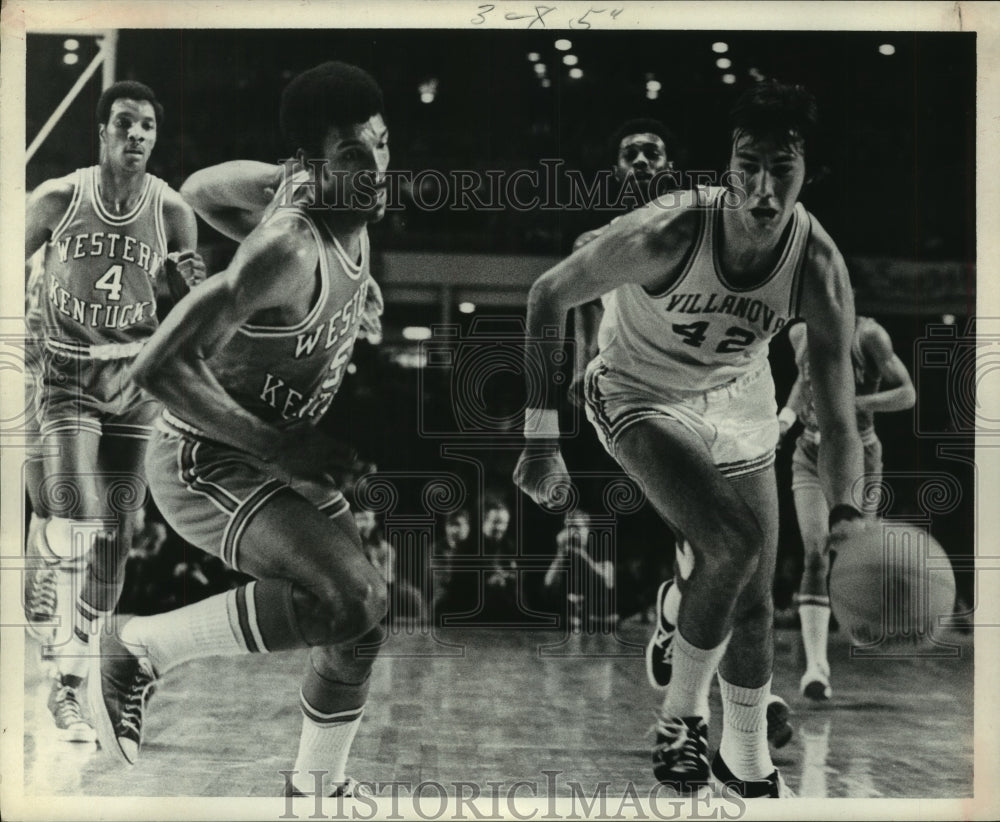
(693, 334)
(111, 281)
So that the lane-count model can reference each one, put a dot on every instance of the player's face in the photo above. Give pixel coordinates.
(356, 161)
(773, 176)
(129, 135)
(641, 156)
(495, 523)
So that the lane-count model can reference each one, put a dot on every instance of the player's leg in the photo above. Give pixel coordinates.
(314, 587)
(745, 670)
(813, 598)
(70, 489)
(872, 493)
(676, 471)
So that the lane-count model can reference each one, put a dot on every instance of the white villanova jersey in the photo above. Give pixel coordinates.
(702, 331)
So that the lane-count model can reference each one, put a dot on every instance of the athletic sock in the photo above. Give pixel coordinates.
(744, 730)
(687, 694)
(331, 716)
(814, 615)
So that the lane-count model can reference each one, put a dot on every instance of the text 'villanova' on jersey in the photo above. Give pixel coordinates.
(702, 331)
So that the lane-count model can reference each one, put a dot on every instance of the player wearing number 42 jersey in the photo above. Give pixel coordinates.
(246, 367)
(682, 396)
(112, 237)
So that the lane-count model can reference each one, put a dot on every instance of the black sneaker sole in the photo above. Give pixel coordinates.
(651, 646)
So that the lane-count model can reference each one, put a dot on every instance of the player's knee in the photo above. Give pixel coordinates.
(71, 540)
(738, 547)
(353, 607)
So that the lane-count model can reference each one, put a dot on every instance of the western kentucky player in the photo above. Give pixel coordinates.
(246, 366)
(113, 236)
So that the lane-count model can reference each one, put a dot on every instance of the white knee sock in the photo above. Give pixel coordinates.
(323, 748)
(687, 694)
(815, 619)
(744, 731)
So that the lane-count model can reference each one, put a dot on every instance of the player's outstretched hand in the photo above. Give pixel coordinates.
(188, 265)
(307, 452)
(542, 474)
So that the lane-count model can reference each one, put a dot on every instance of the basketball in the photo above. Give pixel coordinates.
(890, 584)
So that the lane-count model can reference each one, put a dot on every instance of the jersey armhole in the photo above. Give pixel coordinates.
(684, 266)
(74, 206)
(795, 297)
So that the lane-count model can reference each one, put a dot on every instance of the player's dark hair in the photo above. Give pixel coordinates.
(647, 125)
(331, 94)
(775, 111)
(127, 90)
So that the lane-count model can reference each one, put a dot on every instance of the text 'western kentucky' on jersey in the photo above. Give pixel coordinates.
(100, 267)
(703, 331)
(290, 375)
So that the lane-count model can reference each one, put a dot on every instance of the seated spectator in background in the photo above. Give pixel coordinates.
(405, 602)
(447, 596)
(588, 578)
(500, 601)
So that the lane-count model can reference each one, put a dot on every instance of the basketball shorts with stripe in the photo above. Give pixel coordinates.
(737, 422)
(85, 394)
(209, 493)
(805, 469)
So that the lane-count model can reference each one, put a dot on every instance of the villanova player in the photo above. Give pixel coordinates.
(882, 383)
(246, 367)
(682, 396)
(113, 238)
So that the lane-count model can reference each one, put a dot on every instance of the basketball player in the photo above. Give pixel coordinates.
(881, 384)
(246, 367)
(114, 236)
(682, 396)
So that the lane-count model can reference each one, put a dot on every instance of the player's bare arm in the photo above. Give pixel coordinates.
(45, 209)
(231, 197)
(898, 393)
(828, 309)
(645, 247)
(271, 279)
(184, 267)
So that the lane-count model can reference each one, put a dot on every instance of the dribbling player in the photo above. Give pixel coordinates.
(114, 236)
(881, 384)
(246, 367)
(682, 396)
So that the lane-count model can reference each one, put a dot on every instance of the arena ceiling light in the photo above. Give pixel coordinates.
(576, 73)
(563, 45)
(416, 333)
(887, 49)
(534, 56)
(570, 59)
(723, 62)
(71, 44)
(467, 308)
(728, 79)
(719, 47)
(540, 69)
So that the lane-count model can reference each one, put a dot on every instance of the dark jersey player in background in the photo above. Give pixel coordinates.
(246, 367)
(114, 236)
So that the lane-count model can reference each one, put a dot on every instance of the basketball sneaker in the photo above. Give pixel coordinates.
(680, 756)
(350, 787)
(120, 687)
(64, 705)
(779, 729)
(773, 787)
(41, 580)
(660, 649)
(815, 684)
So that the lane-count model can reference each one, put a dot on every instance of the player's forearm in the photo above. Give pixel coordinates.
(841, 463)
(546, 327)
(231, 197)
(895, 399)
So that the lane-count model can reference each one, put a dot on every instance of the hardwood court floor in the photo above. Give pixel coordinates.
(501, 705)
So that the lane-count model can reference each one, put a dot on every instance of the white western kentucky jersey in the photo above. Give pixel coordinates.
(289, 375)
(867, 377)
(100, 267)
(702, 331)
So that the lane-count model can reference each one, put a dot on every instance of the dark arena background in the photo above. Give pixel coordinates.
(436, 409)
